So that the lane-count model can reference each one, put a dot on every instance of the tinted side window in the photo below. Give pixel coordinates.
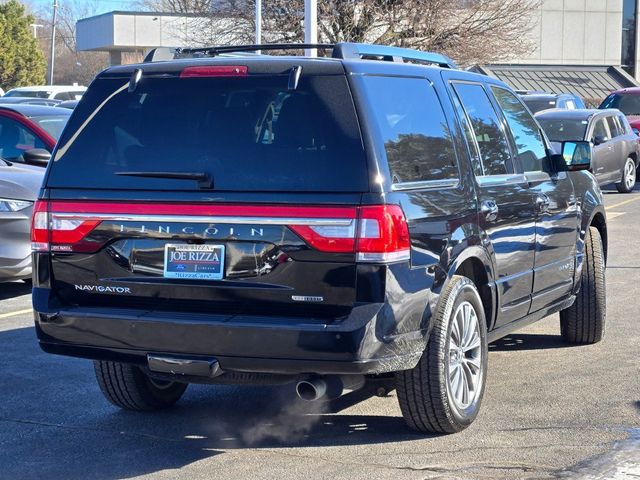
(411, 123)
(476, 162)
(62, 96)
(624, 124)
(15, 139)
(491, 140)
(600, 130)
(525, 131)
(614, 128)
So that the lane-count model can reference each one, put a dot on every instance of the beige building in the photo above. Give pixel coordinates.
(584, 32)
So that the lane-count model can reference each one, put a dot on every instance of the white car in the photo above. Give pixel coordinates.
(55, 92)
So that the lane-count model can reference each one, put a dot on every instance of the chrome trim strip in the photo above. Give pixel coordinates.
(425, 184)
(338, 222)
(494, 180)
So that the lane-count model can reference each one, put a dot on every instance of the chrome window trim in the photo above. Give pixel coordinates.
(537, 176)
(507, 179)
(205, 219)
(424, 184)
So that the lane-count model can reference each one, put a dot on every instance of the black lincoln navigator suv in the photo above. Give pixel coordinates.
(375, 213)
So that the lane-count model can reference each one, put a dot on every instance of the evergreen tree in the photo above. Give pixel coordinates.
(22, 63)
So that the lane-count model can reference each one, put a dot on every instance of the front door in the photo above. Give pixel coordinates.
(555, 205)
(507, 210)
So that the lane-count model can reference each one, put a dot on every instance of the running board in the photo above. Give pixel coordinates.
(505, 330)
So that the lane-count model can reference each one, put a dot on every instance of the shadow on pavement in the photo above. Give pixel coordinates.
(54, 422)
(527, 341)
(14, 289)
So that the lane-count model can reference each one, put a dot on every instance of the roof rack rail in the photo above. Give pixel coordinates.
(345, 50)
(214, 51)
(392, 54)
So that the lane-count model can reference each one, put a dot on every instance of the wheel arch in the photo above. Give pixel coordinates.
(475, 263)
(598, 220)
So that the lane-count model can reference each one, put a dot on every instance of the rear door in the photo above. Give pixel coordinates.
(507, 211)
(209, 193)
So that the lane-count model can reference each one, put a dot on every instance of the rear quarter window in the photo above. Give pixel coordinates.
(409, 121)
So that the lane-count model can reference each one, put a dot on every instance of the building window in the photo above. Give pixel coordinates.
(628, 60)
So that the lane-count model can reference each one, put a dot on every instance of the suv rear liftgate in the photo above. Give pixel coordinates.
(266, 226)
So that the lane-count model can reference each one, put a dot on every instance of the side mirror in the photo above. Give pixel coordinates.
(599, 140)
(576, 155)
(37, 156)
(636, 131)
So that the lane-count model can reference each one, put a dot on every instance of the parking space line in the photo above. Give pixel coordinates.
(616, 205)
(17, 312)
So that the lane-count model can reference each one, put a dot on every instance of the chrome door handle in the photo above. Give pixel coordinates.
(542, 201)
(489, 209)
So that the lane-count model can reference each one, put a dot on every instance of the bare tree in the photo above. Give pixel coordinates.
(470, 31)
(70, 65)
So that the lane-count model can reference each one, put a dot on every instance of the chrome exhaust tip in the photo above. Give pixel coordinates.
(311, 389)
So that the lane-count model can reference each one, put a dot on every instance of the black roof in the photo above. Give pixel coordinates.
(587, 81)
(35, 110)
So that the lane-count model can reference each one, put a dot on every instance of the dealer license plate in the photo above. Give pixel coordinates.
(204, 262)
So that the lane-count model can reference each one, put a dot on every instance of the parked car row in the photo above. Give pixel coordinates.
(610, 129)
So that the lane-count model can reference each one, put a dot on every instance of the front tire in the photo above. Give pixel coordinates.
(584, 321)
(126, 386)
(443, 392)
(628, 181)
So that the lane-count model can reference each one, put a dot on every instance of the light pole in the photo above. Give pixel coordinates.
(35, 27)
(311, 25)
(258, 22)
(53, 40)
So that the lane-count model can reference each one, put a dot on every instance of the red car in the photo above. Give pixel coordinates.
(30, 128)
(627, 100)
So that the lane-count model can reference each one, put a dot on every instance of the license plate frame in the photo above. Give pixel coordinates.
(194, 262)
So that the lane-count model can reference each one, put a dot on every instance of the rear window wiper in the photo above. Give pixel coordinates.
(204, 180)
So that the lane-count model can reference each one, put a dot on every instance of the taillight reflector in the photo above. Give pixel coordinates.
(214, 71)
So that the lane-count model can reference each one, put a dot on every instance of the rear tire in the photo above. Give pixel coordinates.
(584, 321)
(628, 181)
(432, 394)
(126, 386)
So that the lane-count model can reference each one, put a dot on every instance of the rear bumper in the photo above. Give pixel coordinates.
(357, 344)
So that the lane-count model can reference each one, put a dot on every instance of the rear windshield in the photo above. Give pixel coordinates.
(52, 124)
(538, 104)
(563, 129)
(28, 93)
(247, 134)
(627, 104)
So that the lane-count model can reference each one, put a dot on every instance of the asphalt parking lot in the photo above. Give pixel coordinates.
(550, 410)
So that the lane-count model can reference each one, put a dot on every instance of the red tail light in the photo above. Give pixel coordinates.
(40, 227)
(378, 234)
(214, 71)
(59, 234)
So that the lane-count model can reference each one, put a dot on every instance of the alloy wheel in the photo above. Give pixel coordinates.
(464, 372)
(629, 174)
